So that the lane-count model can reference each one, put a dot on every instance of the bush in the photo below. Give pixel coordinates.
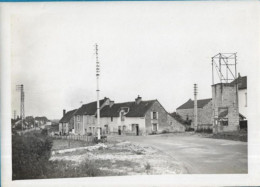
(153, 133)
(89, 134)
(206, 130)
(188, 129)
(147, 167)
(30, 155)
(165, 131)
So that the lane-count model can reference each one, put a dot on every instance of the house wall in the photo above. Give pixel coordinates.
(78, 124)
(204, 115)
(175, 126)
(63, 128)
(187, 114)
(224, 96)
(242, 102)
(116, 123)
(164, 120)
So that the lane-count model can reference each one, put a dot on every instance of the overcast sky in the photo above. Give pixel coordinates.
(157, 50)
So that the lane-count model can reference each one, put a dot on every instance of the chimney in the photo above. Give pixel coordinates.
(64, 112)
(111, 103)
(138, 99)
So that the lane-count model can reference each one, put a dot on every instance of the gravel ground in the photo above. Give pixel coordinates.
(124, 158)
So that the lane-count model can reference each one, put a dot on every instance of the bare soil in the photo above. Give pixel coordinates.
(117, 158)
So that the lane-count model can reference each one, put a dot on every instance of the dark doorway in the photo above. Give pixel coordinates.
(137, 130)
(119, 130)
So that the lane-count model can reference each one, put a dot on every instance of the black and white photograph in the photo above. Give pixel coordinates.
(143, 90)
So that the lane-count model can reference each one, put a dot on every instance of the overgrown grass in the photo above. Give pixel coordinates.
(236, 136)
(59, 144)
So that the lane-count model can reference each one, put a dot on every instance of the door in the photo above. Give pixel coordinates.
(119, 130)
(106, 129)
(137, 129)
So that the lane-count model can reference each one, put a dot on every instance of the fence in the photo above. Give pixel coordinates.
(74, 137)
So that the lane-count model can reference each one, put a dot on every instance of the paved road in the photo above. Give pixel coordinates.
(199, 155)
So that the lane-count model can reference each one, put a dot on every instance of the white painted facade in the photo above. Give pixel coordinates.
(126, 126)
(242, 102)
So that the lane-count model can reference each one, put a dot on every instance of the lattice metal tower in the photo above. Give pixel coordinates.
(225, 65)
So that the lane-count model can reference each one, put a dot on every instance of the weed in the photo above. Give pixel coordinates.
(147, 167)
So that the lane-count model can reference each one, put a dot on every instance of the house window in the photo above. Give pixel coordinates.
(122, 116)
(124, 128)
(154, 115)
(245, 99)
(155, 127)
(133, 127)
(106, 129)
(224, 122)
(111, 118)
(78, 118)
(78, 125)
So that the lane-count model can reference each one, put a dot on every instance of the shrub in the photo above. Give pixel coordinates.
(30, 155)
(204, 130)
(165, 131)
(89, 134)
(188, 129)
(147, 167)
(153, 133)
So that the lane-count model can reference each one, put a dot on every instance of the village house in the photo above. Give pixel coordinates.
(186, 111)
(242, 95)
(129, 118)
(138, 118)
(85, 117)
(66, 123)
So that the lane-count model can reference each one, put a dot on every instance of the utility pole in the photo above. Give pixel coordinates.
(14, 114)
(195, 107)
(21, 89)
(98, 107)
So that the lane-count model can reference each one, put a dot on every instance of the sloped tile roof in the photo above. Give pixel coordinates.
(223, 114)
(66, 118)
(190, 104)
(242, 82)
(135, 110)
(90, 108)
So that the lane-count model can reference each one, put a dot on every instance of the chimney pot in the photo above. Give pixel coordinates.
(64, 112)
(138, 99)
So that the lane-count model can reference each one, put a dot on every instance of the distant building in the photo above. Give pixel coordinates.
(186, 111)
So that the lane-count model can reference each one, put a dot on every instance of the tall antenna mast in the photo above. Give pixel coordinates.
(98, 107)
(14, 114)
(195, 107)
(21, 89)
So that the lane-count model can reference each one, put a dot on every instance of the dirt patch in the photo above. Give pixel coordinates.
(121, 158)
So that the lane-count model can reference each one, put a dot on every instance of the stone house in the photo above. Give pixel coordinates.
(138, 118)
(186, 111)
(85, 117)
(242, 95)
(130, 118)
(66, 123)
